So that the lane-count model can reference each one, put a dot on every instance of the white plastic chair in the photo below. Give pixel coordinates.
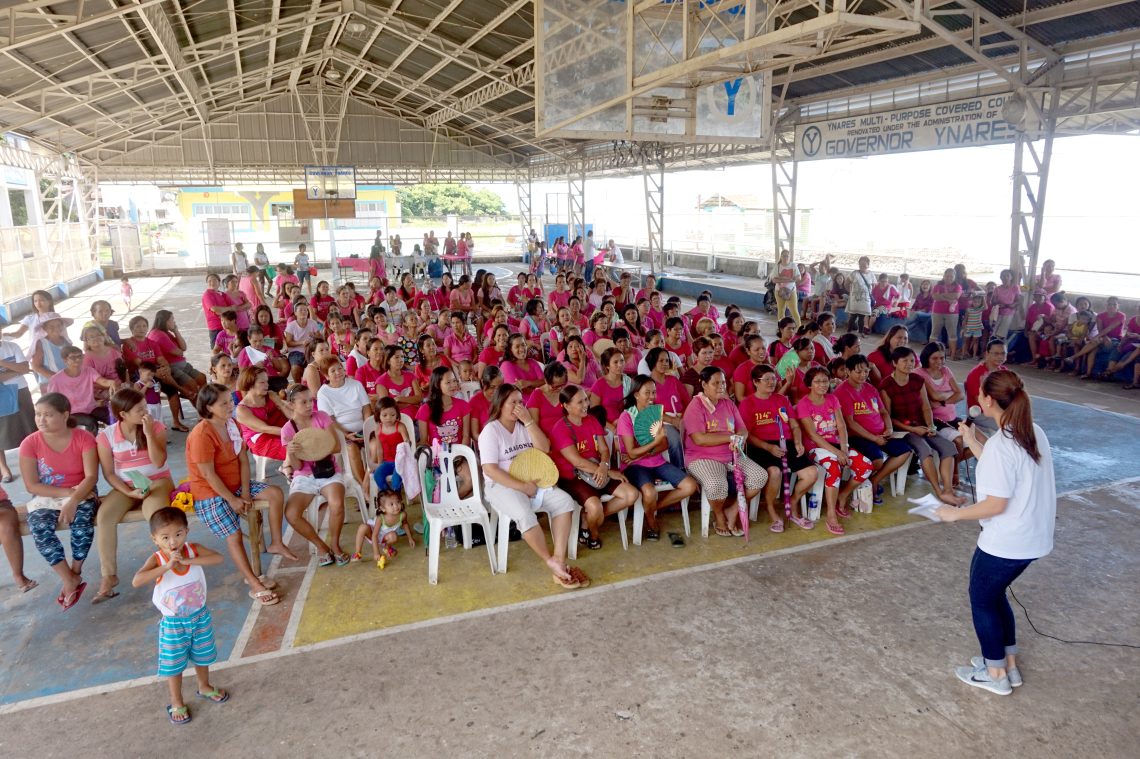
(451, 510)
(501, 528)
(639, 516)
(352, 490)
(898, 479)
(260, 463)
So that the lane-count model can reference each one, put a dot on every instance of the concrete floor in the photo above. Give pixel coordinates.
(838, 648)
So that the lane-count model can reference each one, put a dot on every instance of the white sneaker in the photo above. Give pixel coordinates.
(979, 678)
(1013, 673)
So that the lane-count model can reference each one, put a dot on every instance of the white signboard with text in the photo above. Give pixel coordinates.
(954, 124)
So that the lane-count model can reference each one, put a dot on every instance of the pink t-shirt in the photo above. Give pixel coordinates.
(321, 421)
(490, 356)
(103, 365)
(127, 456)
(166, 346)
(462, 299)
(214, 299)
(369, 376)
(583, 437)
(548, 413)
(862, 405)
(1110, 325)
(224, 341)
(942, 306)
(512, 373)
(302, 335)
(624, 428)
(611, 397)
(80, 391)
(451, 421)
(724, 418)
(824, 416)
(61, 469)
(235, 300)
(560, 299)
(672, 395)
(760, 416)
(395, 388)
(460, 349)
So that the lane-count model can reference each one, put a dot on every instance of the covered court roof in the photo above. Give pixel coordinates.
(187, 91)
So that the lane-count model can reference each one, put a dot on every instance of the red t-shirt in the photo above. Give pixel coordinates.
(862, 405)
(369, 376)
(974, 382)
(760, 415)
(490, 357)
(583, 437)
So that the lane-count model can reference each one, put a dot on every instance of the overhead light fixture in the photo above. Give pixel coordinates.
(332, 74)
(356, 27)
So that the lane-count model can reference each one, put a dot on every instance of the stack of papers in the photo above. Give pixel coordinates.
(927, 506)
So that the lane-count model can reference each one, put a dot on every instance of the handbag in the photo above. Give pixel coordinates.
(589, 478)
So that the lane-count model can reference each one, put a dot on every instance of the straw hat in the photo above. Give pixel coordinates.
(601, 346)
(532, 465)
(313, 444)
(52, 316)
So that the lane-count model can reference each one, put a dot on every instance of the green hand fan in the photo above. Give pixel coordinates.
(647, 423)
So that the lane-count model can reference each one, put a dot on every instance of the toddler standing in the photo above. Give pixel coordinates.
(972, 325)
(127, 291)
(186, 630)
(150, 388)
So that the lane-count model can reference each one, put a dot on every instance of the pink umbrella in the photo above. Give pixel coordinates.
(781, 419)
(741, 497)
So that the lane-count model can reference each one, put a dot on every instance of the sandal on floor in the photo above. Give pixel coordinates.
(327, 560)
(579, 577)
(777, 526)
(843, 511)
(73, 597)
(268, 582)
(32, 585)
(179, 716)
(100, 597)
(835, 529)
(653, 535)
(265, 597)
(594, 544)
(676, 539)
(570, 584)
(583, 536)
(803, 523)
(342, 559)
(217, 695)
(736, 532)
(723, 532)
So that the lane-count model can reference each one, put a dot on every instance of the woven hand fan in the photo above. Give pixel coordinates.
(647, 423)
(532, 465)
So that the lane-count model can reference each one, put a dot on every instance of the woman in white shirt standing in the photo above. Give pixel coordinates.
(1017, 507)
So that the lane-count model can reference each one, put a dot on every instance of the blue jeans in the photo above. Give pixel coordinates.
(386, 470)
(993, 617)
(676, 446)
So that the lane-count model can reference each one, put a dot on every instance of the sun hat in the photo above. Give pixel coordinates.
(52, 316)
(314, 444)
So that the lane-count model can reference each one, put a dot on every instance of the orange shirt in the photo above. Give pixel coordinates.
(205, 445)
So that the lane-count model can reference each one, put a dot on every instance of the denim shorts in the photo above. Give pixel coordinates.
(640, 476)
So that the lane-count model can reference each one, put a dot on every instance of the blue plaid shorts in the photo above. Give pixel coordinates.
(217, 515)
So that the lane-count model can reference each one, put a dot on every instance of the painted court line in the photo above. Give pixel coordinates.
(59, 698)
(298, 607)
(288, 650)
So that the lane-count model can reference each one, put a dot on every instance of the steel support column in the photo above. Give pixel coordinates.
(653, 177)
(1032, 156)
(784, 174)
(526, 217)
(576, 188)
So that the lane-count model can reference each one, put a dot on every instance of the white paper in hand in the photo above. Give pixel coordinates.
(927, 506)
(255, 356)
(536, 501)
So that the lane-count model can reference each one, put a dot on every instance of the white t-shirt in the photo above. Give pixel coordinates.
(619, 258)
(395, 310)
(643, 366)
(301, 334)
(1025, 529)
(9, 351)
(344, 403)
(823, 345)
(497, 446)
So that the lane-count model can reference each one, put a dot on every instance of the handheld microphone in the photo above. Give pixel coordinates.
(973, 413)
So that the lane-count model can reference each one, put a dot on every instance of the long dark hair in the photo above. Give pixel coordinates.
(123, 401)
(885, 346)
(566, 394)
(161, 319)
(60, 403)
(1008, 392)
(502, 392)
(435, 393)
(630, 399)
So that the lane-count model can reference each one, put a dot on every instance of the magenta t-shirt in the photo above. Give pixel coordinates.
(512, 373)
(825, 417)
(450, 426)
(214, 299)
(725, 418)
(61, 469)
(672, 395)
(321, 421)
(610, 396)
(166, 346)
(548, 413)
(942, 306)
(369, 376)
(584, 437)
(625, 427)
(460, 349)
(394, 388)
(1110, 325)
(862, 406)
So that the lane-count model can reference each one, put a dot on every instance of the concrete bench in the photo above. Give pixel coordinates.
(252, 518)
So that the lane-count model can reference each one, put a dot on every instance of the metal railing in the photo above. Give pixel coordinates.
(37, 257)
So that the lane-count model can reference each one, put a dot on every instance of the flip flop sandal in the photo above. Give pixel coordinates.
(570, 584)
(737, 532)
(74, 596)
(265, 597)
(327, 560)
(579, 576)
(181, 711)
(342, 559)
(217, 695)
(653, 535)
(594, 544)
(802, 523)
(268, 582)
(777, 526)
(836, 529)
(843, 511)
(32, 585)
(676, 539)
(723, 532)
(9, 478)
(100, 597)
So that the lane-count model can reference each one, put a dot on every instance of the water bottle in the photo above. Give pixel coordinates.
(812, 508)
(449, 538)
